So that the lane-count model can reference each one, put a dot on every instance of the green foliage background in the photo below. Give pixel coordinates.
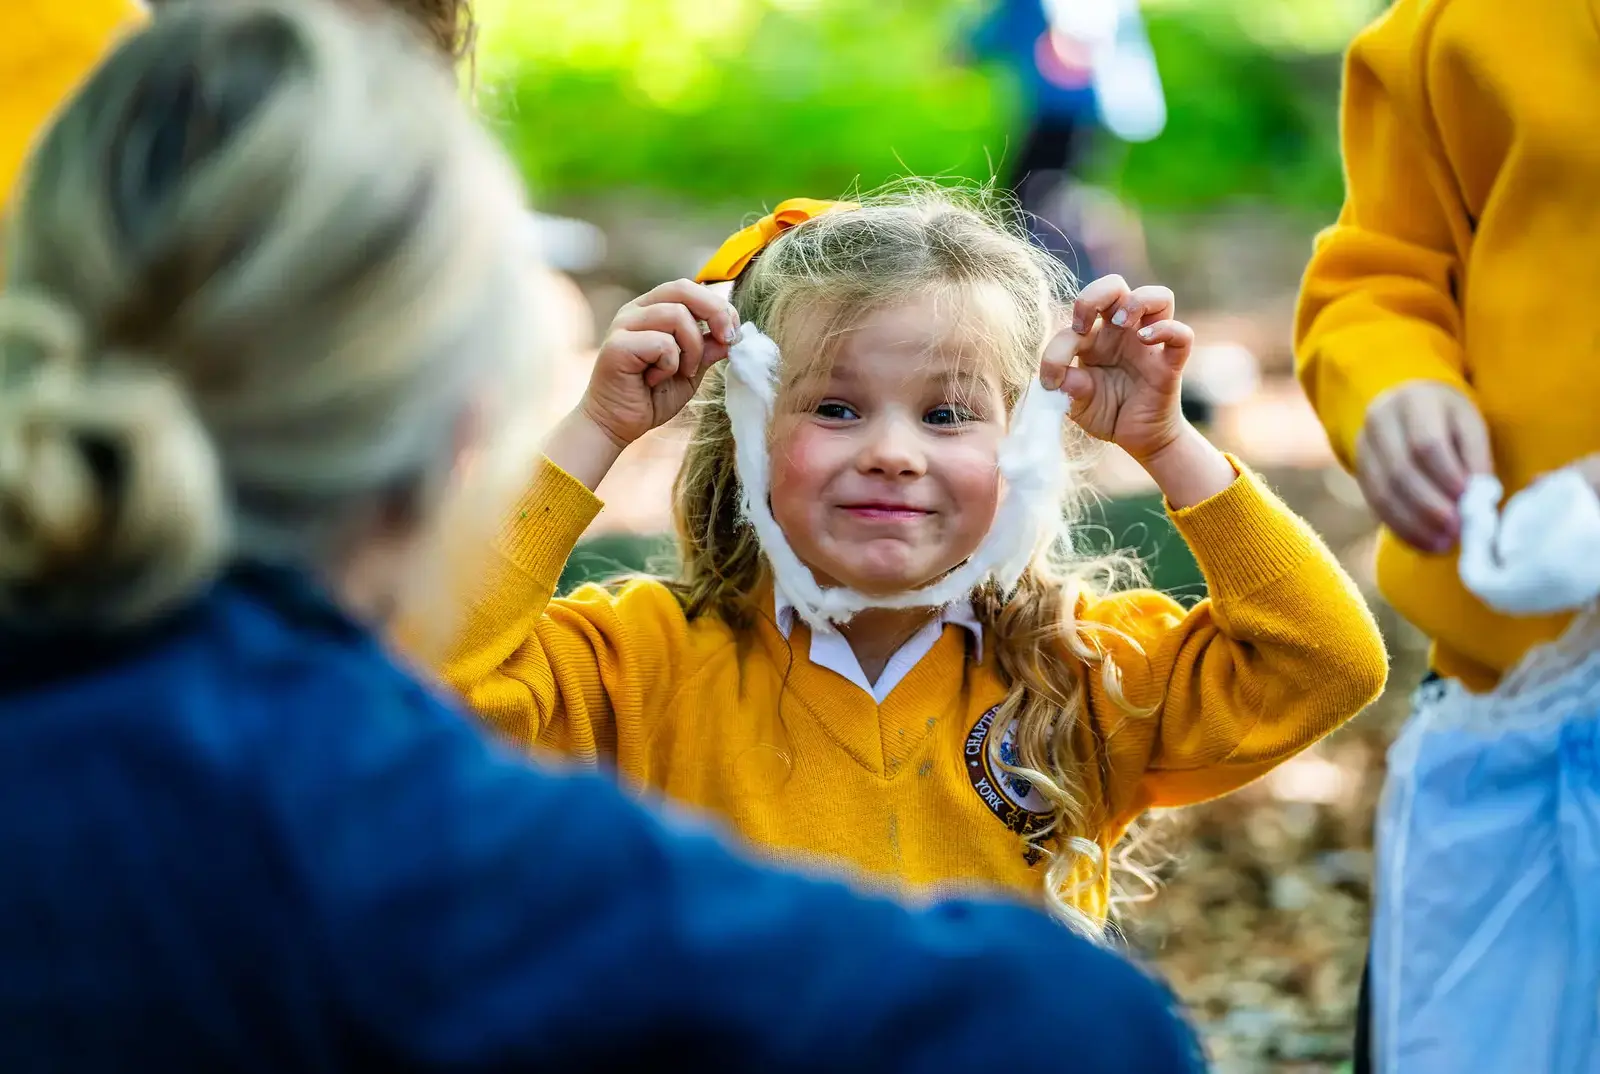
(754, 100)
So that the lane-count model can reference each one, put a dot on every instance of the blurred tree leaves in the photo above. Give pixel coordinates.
(740, 99)
(755, 100)
(1243, 123)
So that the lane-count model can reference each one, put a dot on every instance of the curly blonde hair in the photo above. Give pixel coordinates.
(911, 241)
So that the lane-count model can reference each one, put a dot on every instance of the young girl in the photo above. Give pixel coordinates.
(1008, 733)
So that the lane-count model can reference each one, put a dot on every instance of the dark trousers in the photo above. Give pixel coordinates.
(1052, 148)
(1051, 144)
(1362, 1059)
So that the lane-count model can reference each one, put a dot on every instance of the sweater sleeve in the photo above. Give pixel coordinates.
(581, 676)
(479, 914)
(1281, 653)
(1377, 306)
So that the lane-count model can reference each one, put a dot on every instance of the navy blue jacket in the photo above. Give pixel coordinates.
(247, 841)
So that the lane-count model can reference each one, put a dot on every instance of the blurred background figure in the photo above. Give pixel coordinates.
(1081, 67)
(1084, 74)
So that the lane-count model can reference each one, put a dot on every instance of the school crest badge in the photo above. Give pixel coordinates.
(1014, 800)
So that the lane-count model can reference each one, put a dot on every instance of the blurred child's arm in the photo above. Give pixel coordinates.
(1282, 652)
(1377, 306)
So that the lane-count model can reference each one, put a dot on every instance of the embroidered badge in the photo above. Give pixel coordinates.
(1011, 798)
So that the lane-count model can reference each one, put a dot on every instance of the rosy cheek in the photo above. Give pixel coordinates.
(797, 471)
(981, 496)
(974, 475)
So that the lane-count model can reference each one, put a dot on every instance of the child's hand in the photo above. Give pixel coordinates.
(1129, 355)
(1419, 444)
(654, 357)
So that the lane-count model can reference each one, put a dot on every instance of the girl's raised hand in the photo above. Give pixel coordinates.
(654, 356)
(1122, 362)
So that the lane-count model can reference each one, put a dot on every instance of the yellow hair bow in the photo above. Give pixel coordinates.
(742, 246)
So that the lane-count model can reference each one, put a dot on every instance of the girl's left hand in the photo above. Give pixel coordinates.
(1122, 362)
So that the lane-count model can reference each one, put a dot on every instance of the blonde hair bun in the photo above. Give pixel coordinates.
(111, 498)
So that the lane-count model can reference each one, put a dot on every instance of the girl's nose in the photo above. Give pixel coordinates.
(893, 447)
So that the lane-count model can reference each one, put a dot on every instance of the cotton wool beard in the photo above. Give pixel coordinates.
(1030, 459)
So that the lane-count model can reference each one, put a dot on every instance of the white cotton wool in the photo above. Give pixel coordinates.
(1541, 554)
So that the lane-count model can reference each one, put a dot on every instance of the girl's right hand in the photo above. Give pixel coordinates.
(654, 356)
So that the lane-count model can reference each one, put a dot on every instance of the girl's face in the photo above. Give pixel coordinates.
(889, 479)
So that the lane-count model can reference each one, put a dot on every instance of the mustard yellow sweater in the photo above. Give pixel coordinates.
(1465, 253)
(809, 766)
(47, 47)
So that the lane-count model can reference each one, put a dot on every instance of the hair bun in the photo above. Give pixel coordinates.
(111, 500)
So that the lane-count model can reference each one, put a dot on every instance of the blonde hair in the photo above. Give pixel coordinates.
(257, 277)
(914, 241)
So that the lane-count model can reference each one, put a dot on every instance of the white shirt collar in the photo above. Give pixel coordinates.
(831, 651)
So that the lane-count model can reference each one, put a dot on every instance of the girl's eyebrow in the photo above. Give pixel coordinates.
(839, 372)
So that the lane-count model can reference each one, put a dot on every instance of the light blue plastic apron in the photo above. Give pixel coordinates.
(1486, 934)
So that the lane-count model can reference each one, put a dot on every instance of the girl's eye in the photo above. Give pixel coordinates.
(949, 414)
(835, 411)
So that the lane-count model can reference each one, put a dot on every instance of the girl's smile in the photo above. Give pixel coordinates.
(885, 512)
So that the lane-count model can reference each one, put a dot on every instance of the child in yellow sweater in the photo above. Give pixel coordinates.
(1471, 173)
(1006, 735)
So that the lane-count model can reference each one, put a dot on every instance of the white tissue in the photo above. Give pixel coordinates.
(1539, 556)
(1031, 460)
